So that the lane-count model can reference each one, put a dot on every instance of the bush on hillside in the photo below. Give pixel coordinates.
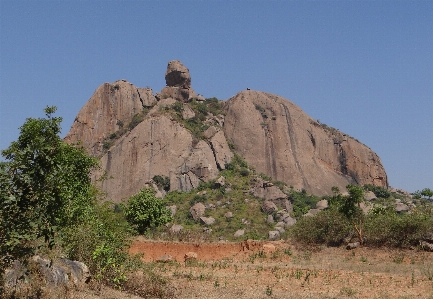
(143, 210)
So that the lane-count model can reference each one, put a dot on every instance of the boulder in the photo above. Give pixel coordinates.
(322, 204)
(239, 233)
(187, 112)
(220, 182)
(177, 75)
(173, 210)
(197, 211)
(279, 229)
(207, 220)
(369, 196)
(401, 207)
(274, 235)
(270, 219)
(56, 273)
(228, 215)
(178, 81)
(176, 228)
(266, 190)
(269, 207)
(223, 154)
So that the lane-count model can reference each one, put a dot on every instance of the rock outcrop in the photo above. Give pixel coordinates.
(178, 81)
(111, 107)
(271, 133)
(277, 138)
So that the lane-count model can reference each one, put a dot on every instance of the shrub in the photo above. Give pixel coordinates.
(328, 227)
(380, 192)
(144, 211)
(395, 230)
(44, 185)
(162, 182)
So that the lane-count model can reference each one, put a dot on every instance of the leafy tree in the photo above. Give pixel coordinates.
(349, 206)
(427, 193)
(144, 211)
(44, 185)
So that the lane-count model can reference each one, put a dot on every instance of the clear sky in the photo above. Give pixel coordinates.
(363, 67)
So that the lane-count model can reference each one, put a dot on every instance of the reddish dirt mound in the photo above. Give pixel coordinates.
(153, 250)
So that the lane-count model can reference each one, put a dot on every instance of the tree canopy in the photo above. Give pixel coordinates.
(44, 184)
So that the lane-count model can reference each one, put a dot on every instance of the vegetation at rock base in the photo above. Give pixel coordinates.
(48, 206)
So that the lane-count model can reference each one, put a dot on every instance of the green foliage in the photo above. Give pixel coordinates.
(427, 193)
(144, 211)
(380, 192)
(302, 202)
(100, 242)
(214, 106)
(327, 227)
(44, 185)
(162, 182)
(398, 230)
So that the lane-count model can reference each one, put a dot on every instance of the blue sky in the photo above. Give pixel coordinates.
(363, 67)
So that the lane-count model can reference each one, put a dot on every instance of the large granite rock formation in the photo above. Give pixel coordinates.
(271, 133)
(178, 81)
(110, 108)
(279, 139)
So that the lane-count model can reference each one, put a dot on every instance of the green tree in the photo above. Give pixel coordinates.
(144, 211)
(349, 206)
(44, 185)
(427, 193)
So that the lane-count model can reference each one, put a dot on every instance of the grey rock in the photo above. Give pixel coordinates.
(274, 235)
(207, 220)
(269, 207)
(280, 229)
(228, 215)
(321, 205)
(197, 211)
(239, 233)
(176, 228)
(270, 219)
(173, 210)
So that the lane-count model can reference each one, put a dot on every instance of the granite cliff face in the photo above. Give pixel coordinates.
(271, 133)
(279, 139)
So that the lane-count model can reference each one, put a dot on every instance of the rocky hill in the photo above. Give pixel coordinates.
(178, 134)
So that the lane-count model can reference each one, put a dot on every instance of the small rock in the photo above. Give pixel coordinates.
(164, 259)
(197, 211)
(321, 205)
(207, 220)
(274, 235)
(228, 215)
(239, 233)
(173, 210)
(220, 182)
(270, 219)
(207, 230)
(176, 228)
(269, 207)
(280, 229)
